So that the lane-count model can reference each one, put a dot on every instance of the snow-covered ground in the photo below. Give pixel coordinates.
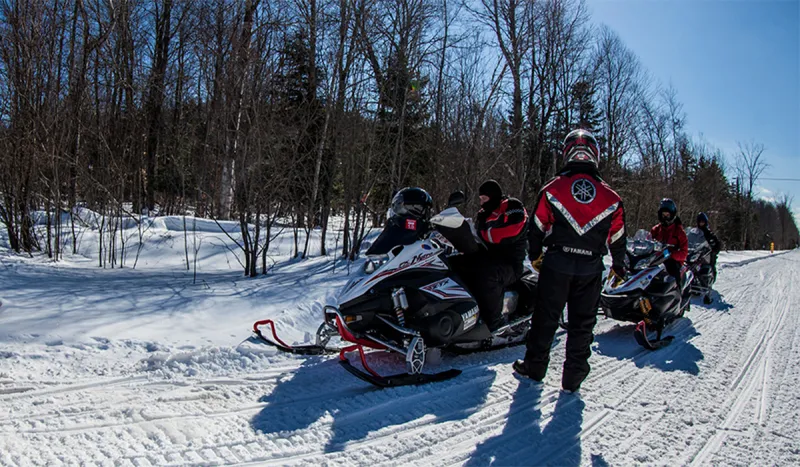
(147, 367)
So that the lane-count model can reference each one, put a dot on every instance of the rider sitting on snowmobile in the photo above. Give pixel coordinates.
(501, 225)
(669, 231)
(579, 218)
(713, 242)
(407, 220)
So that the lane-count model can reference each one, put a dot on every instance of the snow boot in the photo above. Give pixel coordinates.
(567, 392)
(523, 369)
(707, 300)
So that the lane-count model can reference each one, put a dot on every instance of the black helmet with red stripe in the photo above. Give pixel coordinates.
(580, 146)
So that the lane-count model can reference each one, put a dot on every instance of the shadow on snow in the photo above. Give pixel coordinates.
(528, 438)
(680, 355)
(320, 392)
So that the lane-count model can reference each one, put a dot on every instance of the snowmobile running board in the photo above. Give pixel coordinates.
(640, 334)
(486, 345)
(313, 349)
(403, 379)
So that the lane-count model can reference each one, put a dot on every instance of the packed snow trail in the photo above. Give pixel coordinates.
(118, 387)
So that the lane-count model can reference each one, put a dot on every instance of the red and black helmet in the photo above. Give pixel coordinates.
(580, 146)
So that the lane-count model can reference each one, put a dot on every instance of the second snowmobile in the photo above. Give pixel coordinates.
(410, 299)
(649, 296)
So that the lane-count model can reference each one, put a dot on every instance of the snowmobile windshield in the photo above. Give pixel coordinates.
(641, 244)
(399, 230)
(696, 238)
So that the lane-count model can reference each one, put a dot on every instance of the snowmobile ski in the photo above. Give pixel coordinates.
(323, 336)
(640, 334)
(402, 379)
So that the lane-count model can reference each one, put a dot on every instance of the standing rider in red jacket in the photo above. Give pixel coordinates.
(669, 231)
(579, 218)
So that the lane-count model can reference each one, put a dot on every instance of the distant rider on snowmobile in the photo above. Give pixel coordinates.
(579, 218)
(713, 240)
(501, 225)
(669, 231)
(715, 244)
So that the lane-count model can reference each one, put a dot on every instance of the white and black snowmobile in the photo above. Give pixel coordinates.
(699, 261)
(649, 296)
(409, 299)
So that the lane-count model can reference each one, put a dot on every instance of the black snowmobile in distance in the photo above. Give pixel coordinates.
(408, 299)
(649, 296)
(699, 261)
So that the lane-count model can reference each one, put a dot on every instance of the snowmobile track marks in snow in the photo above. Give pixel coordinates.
(32, 392)
(753, 376)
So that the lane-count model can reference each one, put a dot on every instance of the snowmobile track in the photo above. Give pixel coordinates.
(751, 378)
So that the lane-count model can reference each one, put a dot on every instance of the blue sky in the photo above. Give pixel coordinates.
(735, 65)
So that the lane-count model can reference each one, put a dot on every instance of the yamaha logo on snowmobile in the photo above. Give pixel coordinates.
(470, 318)
(583, 191)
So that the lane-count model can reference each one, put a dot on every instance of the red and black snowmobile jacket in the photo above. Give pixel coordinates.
(502, 230)
(579, 218)
(674, 235)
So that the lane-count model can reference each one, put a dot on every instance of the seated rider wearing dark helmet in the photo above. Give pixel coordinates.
(669, 231)
(713, 241)
(408, 220)
(715, 244)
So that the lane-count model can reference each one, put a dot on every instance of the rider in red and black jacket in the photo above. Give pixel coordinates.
(501, 224)
(578, 217)
(669, 231)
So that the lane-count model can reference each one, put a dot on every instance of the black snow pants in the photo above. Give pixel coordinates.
(487, 281)
(674, 269)
(581, 293)
(714, 264)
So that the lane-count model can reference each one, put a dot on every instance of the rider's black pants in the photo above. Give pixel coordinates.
(581, 293)
(487, 282)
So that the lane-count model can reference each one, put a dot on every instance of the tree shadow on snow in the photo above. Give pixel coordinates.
(84, 299)
(321, 392)
(525, 442)
(680, 355)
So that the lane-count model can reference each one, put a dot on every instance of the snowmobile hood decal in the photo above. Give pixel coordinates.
(639, 281)
(446, 289)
